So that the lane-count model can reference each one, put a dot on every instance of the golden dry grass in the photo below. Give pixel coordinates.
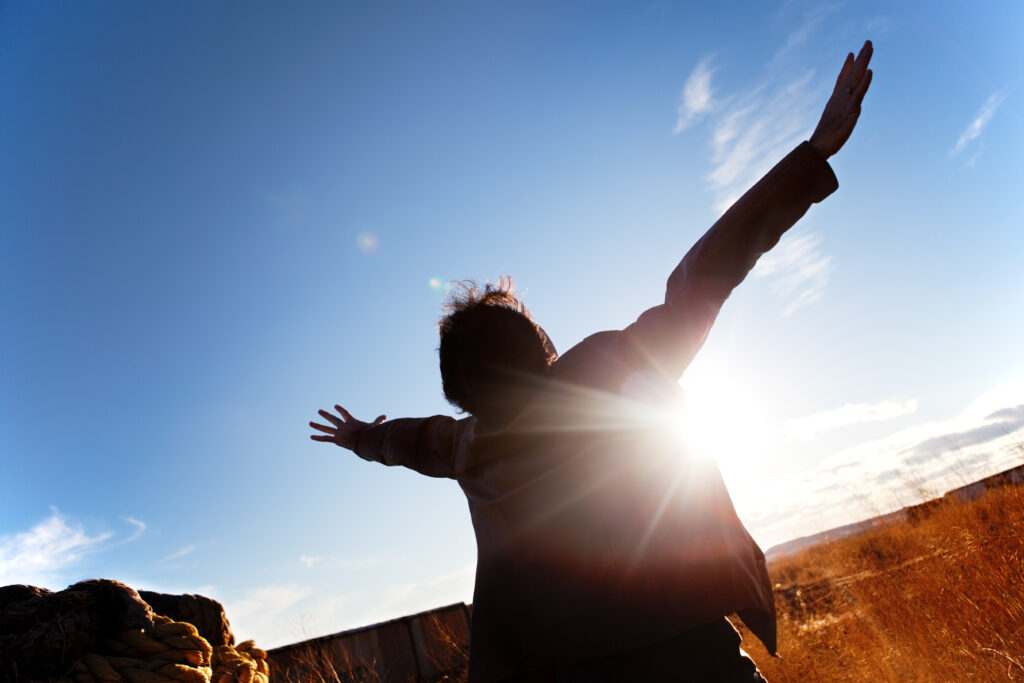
(939, 599)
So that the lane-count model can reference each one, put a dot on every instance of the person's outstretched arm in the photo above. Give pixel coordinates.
(667, 337)
(428, 445)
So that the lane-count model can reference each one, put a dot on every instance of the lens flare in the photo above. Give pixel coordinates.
(367, 242)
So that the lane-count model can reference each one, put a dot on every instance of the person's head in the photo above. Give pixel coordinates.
(492, 353)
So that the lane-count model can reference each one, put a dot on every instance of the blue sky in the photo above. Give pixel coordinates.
(216, 218)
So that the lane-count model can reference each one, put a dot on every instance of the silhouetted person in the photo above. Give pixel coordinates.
(606, 550)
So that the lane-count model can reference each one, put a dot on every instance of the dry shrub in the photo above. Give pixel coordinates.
(329, 661)
(449, 653)
(322, 663)
(940, 598)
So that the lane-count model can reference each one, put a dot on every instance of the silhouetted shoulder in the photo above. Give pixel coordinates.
(601, 361)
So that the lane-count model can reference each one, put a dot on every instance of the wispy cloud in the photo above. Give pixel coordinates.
(754, 126)
(38, 555)
(326, 614)
(277, 614)
(799, 270)
(264, 613)
(140, 528)
(975, 128)
(806, 428)
(309, 561)
(880, 26)
(751, 128)
(995, 426)
(414, 597)
(1014, 413)
(811, 20)
(696, 100)
(283, 613)
(757, 128)
(342, 563)
(180, 553)
(902, 468)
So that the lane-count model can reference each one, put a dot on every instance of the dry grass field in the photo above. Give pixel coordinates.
(940, 598)
(937, 599)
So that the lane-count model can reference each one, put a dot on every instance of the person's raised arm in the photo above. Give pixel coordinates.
(843, 108)
(428, 445)
(668, 336)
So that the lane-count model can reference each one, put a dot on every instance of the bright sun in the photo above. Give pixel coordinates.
(724, 419)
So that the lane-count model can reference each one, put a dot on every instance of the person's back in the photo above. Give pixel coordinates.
(597, 531)
(603, 545)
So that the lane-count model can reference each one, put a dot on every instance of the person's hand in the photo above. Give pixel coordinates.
(843, 108)
(343, 429)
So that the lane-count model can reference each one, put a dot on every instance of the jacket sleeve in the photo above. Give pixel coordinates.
(667, 337)
(428, 445)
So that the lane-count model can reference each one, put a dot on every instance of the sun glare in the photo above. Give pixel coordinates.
(723, 418)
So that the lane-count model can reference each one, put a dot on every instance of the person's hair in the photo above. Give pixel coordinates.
(491, 350)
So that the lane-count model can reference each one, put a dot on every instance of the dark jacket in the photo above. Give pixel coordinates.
(597, 531)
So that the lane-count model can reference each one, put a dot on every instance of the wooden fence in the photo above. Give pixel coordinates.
(423, 648)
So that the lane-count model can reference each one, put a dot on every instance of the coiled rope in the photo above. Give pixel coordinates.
(244, 662)
(170, 651)
(162, 650)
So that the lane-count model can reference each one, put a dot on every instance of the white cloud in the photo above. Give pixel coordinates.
(757, 128)
(799, 270)
(918, 462)
(881, 25)
(37, 556)
(799, 36)
(285, 613)
(757, 125)
(696, 98)
(806, 428)
(977, 155)
(422, 595)
(140, 528)
(340, 563)
(309, 561)
(396, 600)
(325, 614)
(265, 614)
(977, 125)
(752, 127)
(178, 554)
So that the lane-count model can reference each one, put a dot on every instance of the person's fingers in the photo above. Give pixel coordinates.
(864, 56)
(321, 437)
(861, 65)
(841, 78)
(323, 428)
(863, 87)
(334, 419)
(344, 413)
(380, 419)
(869, 49)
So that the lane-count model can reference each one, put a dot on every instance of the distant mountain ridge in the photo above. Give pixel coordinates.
(968, 492)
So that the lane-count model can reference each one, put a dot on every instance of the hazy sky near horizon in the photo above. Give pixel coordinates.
(217, 217)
